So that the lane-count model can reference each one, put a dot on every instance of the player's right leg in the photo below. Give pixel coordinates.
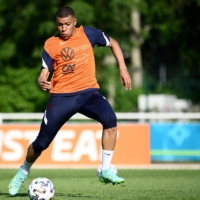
(55, 116)
(16, 183)
(23, 172)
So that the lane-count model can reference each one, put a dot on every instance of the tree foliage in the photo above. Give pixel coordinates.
(172, 40)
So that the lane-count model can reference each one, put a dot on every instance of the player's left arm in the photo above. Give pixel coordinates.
(117, 52)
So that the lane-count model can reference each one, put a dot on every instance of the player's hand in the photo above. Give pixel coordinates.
(44, 85)
(125, 79)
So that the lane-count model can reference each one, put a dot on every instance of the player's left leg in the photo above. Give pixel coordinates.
(98, 108)
(108, 145)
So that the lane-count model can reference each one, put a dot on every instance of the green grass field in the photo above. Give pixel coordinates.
(139, 184)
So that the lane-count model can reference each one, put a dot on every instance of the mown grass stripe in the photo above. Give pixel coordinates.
(84, 184)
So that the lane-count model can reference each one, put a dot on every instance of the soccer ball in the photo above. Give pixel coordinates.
(41, 189)
(112, 167)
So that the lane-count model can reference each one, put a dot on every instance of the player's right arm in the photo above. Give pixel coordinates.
(47, 61)
(43, 83)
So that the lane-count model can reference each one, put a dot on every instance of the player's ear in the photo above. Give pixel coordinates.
(75, 21)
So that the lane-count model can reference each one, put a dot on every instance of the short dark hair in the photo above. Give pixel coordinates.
(65, 11)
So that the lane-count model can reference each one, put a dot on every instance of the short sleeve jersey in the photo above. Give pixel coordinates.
(72, 61)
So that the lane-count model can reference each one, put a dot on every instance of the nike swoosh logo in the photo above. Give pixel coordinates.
(63, 42)
(107, 154)
(9, 187)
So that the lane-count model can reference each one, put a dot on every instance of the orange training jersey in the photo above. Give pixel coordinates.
(72, 61)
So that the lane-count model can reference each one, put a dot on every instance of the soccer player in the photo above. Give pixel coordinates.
(74, 88)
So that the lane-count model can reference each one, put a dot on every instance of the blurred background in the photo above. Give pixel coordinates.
(160, 43)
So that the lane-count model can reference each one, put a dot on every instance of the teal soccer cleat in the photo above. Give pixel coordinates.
(16, 183)
(108, 176)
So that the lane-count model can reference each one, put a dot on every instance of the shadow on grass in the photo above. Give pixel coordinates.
(17, 195)
(7, 196)
(78, 196)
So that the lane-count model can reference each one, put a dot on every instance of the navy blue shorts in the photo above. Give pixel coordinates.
(61, 108)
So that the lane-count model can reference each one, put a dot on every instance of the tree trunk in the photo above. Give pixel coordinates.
(136, 58)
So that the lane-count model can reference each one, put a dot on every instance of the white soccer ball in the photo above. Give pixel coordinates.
(41, 189)
(112, 167)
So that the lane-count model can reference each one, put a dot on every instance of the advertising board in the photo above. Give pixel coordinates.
(75, 145)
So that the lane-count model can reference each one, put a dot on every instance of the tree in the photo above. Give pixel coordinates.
(167, 36)
(172, 42)
(21, 39)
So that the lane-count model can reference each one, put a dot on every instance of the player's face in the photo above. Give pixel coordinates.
(66, 26)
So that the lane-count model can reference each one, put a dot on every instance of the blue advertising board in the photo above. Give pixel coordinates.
(175, 141)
